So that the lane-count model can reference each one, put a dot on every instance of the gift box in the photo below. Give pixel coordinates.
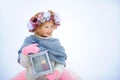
(41, 63)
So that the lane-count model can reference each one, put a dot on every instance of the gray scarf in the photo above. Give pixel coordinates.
(56, 52)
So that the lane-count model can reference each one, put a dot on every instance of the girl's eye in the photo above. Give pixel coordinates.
(52, 26)
(46, 26)
(49, 26)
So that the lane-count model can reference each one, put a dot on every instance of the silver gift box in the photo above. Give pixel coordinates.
(41, 63)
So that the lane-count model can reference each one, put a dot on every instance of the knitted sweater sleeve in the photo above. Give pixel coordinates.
(28, 40)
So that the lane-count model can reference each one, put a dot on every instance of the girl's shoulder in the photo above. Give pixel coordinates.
(29, 37)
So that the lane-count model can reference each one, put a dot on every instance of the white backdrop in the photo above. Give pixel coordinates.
(89, 31)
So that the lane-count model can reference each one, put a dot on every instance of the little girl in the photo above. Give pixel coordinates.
(42, 25)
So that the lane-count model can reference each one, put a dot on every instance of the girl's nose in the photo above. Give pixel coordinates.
(51, 29)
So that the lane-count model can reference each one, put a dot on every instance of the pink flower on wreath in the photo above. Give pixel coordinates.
(40, 16)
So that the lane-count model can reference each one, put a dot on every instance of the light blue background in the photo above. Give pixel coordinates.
(89, 31)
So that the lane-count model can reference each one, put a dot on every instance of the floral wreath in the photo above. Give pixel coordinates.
(43, 17)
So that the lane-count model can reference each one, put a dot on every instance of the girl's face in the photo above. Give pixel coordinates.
(45, 30)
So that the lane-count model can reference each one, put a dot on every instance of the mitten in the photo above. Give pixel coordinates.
(52, 76)
(32, 48)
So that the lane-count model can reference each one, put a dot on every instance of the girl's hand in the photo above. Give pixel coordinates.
(52, 76)
(32, 48)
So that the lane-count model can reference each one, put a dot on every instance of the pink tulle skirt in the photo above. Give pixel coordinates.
(67, 75)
